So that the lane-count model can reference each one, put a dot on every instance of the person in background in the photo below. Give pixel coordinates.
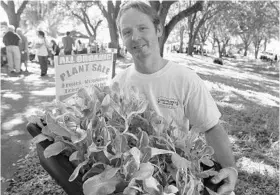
(80, 47)
(174, 91)
(23, 48)
(54, 50)
(42, 52)
(68, 44)
(12, 40)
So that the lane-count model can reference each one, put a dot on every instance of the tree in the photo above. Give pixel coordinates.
(39, 15)
(162, 7)
(80, 10)
(204, 32)
(12, 13)
(110, 12)
(196, 21)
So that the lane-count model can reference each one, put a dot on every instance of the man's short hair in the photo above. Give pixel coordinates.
(141, 7)
(11, 28)
(67, 33)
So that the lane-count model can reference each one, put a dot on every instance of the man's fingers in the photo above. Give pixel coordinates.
(39, 123)
(225, 189)
(221, 175)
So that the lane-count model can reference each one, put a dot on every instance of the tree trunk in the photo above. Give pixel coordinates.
(13, 16)
(246, 49)
(265, 44)
(219, 48)
(182, 29)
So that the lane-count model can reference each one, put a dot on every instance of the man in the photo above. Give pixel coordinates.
(11, 41)
(162, 80)
(23, 48)
(68, 44)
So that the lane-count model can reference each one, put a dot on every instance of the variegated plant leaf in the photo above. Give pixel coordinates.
(54, 149)
(77, 169)
(41, 137)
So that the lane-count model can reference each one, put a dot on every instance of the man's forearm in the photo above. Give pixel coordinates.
(218, 139)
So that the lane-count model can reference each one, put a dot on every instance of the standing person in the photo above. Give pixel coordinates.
(80, 47)
(68, 44)
(42, 52)
(54, 50)
(190, 103)
(23, 48)
(12, 41)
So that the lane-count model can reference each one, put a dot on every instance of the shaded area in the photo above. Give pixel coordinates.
(20, 95)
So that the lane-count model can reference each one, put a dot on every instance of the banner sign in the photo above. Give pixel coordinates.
(73, 72)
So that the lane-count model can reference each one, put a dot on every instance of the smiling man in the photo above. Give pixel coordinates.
(175, 92)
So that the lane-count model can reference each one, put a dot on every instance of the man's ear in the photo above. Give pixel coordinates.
(159, 30)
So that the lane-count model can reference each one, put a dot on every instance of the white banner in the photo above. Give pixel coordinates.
(73, 72)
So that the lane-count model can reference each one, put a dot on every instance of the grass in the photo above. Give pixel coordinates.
(247, 94)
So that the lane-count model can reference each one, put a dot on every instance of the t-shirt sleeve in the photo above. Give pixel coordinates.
(200, 107)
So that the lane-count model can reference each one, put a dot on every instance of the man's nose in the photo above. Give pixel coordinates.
(135, 34)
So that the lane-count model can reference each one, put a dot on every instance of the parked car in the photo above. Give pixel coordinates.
(267, 56)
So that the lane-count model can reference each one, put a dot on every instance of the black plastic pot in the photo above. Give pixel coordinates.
(57, 166)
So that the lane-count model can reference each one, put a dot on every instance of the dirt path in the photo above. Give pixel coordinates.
(19, 96)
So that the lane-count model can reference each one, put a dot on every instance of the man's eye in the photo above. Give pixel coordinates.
(142, 28)
(126, 33)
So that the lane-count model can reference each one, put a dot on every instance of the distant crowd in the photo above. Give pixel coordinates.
(17, 49)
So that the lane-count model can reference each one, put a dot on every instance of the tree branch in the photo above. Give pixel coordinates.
(4, 6)
(102, 8)
(198, 6)
(22, 7)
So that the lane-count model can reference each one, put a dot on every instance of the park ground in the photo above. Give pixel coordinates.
(246, 92)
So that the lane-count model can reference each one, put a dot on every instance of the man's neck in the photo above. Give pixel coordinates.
(149, 65)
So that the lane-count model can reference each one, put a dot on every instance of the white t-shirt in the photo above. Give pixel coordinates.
(176, 93)
(42, 51)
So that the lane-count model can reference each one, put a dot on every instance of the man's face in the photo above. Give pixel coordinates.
(139, 34)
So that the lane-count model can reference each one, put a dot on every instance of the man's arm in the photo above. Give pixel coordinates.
(218, 139)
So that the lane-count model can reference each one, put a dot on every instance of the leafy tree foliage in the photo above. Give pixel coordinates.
(81, 11)
(40, 15)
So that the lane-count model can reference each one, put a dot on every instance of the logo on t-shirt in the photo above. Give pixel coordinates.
(168, 102)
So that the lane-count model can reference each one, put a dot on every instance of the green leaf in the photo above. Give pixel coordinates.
(135, 152)
(207, 151)
(156, 151)
(54, 149)
(180, 162)
(130, 168)
(55, 128)
(150, 185)
(205, 160)
(78, 136)
(74, 156)
(76, 171)
(145, 171)
(170, 190)
(106, 101)
(146, 154)
(132, 188)
(207, 173)
(41, 137)
(144, 140)
(102, 184)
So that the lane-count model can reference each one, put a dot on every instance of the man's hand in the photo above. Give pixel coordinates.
(229, 175)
